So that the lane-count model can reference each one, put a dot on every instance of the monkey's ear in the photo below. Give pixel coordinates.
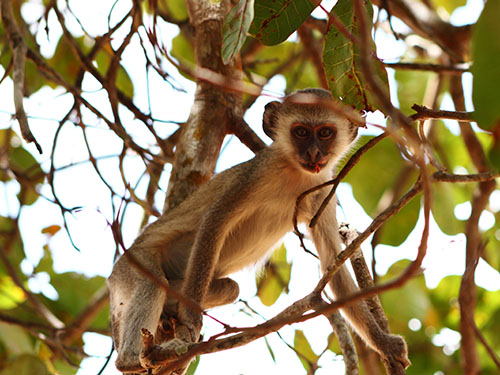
(269, 119)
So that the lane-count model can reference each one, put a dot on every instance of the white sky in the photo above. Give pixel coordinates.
(79, 186)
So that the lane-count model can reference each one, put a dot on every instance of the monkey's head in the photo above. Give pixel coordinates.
(307, 130)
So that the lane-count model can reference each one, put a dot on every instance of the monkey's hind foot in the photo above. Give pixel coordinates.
(156, 357)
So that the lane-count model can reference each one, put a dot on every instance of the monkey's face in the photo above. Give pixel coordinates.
(307, 131)
(313, 144)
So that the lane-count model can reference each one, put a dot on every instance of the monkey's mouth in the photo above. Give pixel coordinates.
(313, 167)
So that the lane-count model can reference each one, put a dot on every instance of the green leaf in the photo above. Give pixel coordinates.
(75, 291)
(193, 366)
(33, 80)
(174, 8)
(16, 339)
(444, 300)
(411, 88)
(449, 5)
(397, 229)
(333, 344)
(10, 294)
(445, 197)
(341, 58)
(25, 364)
(182, 50)
(276, 20)
(486, 57)
(235, 28)
(301, 75)
(380, 174)
(12, 245)
(305, 353)
(64, 61)
(375, 173)
(407, 302)
(25, 165)
(268, 59)
(123, 81)
(494, 152)
(275, 277)
(450, 151)
(491, 254)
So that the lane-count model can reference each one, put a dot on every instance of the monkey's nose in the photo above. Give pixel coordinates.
(314, 155)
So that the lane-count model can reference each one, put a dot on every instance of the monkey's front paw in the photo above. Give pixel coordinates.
(396, 352)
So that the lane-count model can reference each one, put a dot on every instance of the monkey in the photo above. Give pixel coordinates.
(233, 221)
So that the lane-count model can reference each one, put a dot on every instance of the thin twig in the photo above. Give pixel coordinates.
(442, 69)
(426, 113)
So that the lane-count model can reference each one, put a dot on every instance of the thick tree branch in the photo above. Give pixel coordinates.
(212, 110)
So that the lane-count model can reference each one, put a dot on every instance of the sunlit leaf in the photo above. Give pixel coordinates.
(123, 81)
(268, 59)
(444, 200)
(10, 294)
(333, 344)
(182, 50)
(486, 57)
(65, 61)
(379, 175)
(11, 244)
(341, 58)
(301, 75)
(407, 302)
(397, 228)
(274, 278)
(305, 352)
(411, 88)
(25, 364)
(491, 253)
(449, 5)
(175, 9)
(75, 291)
(51, 230)
(33, 80)
(16, 339)
(235, 28)
(276, 20)
(193, 366)
(444, 299)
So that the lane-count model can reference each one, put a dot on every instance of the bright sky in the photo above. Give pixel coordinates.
(79, 186)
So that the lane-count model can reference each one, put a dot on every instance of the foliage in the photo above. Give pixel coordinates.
(113, 93)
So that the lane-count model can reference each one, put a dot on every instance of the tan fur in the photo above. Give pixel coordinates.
(229, 223)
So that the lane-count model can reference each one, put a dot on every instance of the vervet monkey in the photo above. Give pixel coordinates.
(235, 220)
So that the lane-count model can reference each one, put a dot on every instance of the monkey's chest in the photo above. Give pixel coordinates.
(252, 239)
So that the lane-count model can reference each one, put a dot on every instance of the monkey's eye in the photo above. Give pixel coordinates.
(326, 133)
(301, 132)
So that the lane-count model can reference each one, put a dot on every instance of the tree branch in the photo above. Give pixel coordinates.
(424, 113)
(19, 50)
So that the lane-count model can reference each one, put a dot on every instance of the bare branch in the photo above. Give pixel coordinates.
(442, 69)
(426, 113)
(19, 50)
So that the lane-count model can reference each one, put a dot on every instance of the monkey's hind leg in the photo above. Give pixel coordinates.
(135, 303)
(156, 353)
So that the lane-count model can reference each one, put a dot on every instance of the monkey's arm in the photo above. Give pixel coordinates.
(327, 241)
(216, 224)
